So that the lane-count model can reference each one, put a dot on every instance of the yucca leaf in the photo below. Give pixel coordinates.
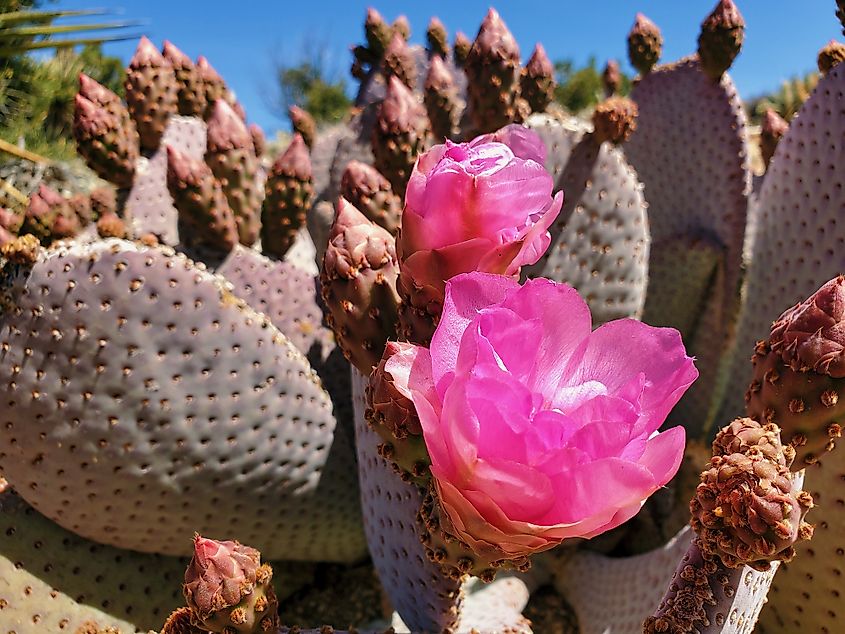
(16, 17)
(34, 31)
(6, 51)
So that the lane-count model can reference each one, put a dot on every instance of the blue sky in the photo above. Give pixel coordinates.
(242, 39)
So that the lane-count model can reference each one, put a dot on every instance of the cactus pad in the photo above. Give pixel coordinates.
(143, 399)
(600, 241)
(690, 152)
(149, 205)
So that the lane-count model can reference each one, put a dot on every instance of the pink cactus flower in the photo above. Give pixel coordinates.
(478, 206)
(538, 429)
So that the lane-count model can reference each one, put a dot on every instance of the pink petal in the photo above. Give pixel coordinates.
(663, 454)
(410, 368)
(521, 492)
(599, 489)
(523, 142)
(620, 517)
(536, 240)
(566, 323)
(619, 351)
(465, 296)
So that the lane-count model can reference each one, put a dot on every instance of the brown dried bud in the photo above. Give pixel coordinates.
(614, 120)
(645, 43)
(747, 510)
(832, 53)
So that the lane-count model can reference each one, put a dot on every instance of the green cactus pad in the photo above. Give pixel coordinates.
(144, 402)
(690, 152)
(149, 206)
(600, 241)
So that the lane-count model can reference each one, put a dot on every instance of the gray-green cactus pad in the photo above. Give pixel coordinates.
(600, 241)
(144, 402)
(149, 205)
(690, 152)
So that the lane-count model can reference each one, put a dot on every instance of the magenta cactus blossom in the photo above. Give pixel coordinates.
(539, 430)
(478, 206)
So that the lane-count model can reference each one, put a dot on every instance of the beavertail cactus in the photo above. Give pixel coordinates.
(832, 54)
(600, 240)
(229, 590)
(645, 43)
(103, 201)
(205, 218)
(399, 61)
(772, 130)
(49, 216)
(259, 141)
(151, 93)
(440, 95)
(747, 509)
(402, 27)
(400, 134)
(687, 120)
(231, 156)
(614, 120)
(288, 195)
(303, 124)
(107, 140)
(368, 191)
(190, 94)
(437, 38)
(110, 225)
(358, 281)
(151, 366)
(492, 65)
(722, 33)
(537, 81)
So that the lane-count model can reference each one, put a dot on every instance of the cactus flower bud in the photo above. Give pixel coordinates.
(441, 99)
(191, 101)
(722, 33)
(108, 142)
(231, 156)
(303, 123)
(400, 134)
(369, 192)
(537, 82)
(110, 225)
(832, 54)
(259, 141)
(377, 32)
(493, 68)
(747, 436)
(773, 128)
(288, 195)
(151, 93)
(645, 43)
(840, 13)
(212, 85)
(615, 119)
(461, 46)
(399, 61)
(401, 26)
(205, 219)
(229, 590)
(611, 78)
(437, 38)
(358, 282)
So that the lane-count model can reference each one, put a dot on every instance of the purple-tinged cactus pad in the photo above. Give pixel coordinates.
(54, 581)
(424, 598)
(144, 401)
(149, 206)
(612, 594)
(600, 241)
(705, 597)
(690, 152)
(798, 231)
